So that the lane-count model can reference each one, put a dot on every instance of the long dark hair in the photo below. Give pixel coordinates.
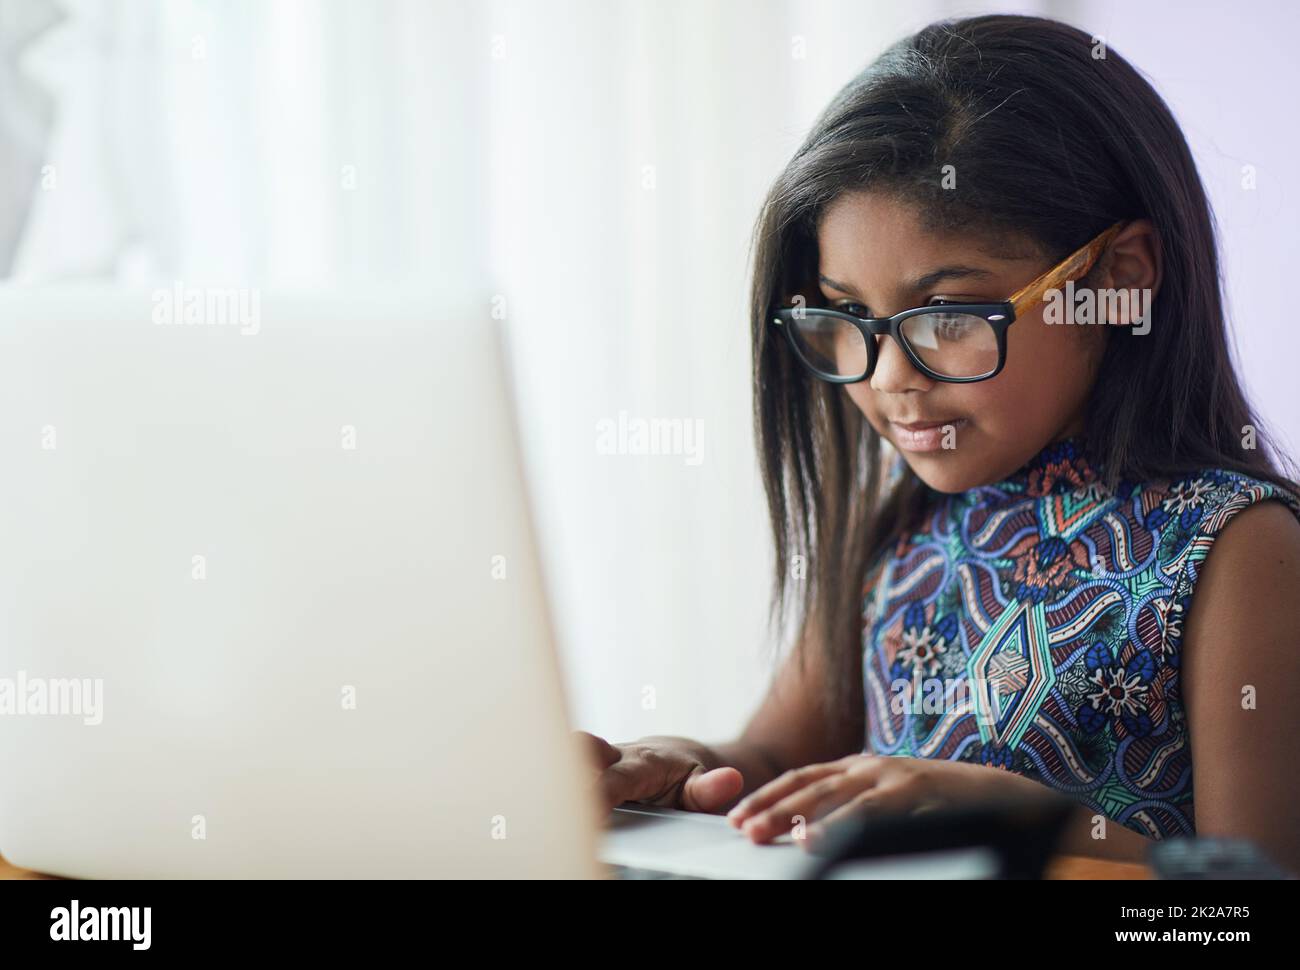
(1050, 142)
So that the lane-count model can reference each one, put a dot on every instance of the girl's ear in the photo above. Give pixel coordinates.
(1134, 259)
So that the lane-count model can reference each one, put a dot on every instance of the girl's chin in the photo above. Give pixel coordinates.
(946, 470)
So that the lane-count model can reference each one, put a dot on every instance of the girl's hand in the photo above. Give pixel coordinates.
(655, 771)
(809, 800)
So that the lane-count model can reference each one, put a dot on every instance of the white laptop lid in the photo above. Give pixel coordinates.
(296, 554)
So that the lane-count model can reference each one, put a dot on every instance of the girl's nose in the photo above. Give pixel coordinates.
(894, 373)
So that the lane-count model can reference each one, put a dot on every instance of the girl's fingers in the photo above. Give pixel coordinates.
(875, 800)
(780, 788)
(807, 805)
(673, 781)
(629, 781)
(708, 791)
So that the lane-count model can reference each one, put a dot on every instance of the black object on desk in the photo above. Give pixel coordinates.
(1022, 834)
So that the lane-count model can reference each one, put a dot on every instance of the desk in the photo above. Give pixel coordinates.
(1063, 867)
(1084, 867)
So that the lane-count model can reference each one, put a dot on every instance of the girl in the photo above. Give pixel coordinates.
(994, 506)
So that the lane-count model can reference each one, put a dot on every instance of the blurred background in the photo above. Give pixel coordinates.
(590, 172)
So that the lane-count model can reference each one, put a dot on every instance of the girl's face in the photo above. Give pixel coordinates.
(873, 253)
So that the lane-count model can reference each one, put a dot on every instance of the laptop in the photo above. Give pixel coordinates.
(270, 604)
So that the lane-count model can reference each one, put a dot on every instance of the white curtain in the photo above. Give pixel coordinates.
(265, 142)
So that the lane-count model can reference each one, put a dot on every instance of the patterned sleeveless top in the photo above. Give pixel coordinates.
(1035, 625)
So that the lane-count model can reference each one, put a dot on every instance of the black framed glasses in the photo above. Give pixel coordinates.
(957, 343)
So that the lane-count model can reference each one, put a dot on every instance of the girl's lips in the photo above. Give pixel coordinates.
(922, 425)
(924, 435)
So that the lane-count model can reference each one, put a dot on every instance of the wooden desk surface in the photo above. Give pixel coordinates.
(1065, 867)
(1084, 867)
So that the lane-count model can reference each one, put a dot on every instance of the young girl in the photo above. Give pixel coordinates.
(1027, 487)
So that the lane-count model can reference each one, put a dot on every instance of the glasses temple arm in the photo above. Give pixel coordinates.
(1073, 266)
